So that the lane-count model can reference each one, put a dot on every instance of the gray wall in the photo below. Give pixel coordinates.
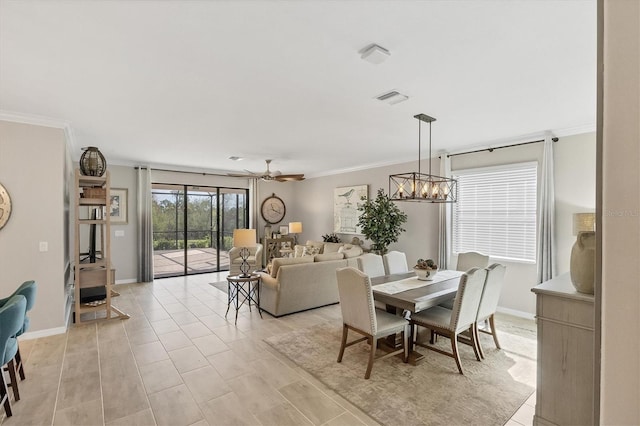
(33, 168)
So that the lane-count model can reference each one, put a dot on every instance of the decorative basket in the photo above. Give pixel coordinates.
(94, 192)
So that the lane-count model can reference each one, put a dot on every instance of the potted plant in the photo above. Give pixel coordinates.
(425, 269)
(381, 221)
(331, 238)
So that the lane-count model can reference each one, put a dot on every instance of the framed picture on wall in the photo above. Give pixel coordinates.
(118, 205)
(284, 230)
(346, 200)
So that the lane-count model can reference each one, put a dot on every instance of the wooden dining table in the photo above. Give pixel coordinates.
(404, 292)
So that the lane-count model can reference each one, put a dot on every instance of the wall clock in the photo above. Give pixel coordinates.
(5, 206)
(273, 209)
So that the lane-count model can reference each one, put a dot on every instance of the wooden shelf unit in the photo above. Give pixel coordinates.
(93, 211)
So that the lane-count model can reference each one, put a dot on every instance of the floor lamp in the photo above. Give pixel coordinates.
(244, 238)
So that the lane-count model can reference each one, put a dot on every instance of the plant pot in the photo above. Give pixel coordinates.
(425, 274)
(583, 261)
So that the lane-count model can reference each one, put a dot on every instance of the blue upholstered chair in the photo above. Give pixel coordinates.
(27, 289)
(11, 323)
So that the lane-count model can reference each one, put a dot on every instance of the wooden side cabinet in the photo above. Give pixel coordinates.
(272, 246)
(565, 374)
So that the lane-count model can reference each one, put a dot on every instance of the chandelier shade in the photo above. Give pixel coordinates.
(421, 187)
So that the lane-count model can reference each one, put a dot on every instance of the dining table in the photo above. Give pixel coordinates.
(406, 293)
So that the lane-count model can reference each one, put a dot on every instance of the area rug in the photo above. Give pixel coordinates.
(221, 285)
(429, 393)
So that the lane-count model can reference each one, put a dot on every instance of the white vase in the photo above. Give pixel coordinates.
(583, 262)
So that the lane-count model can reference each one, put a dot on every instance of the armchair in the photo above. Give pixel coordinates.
(254, 259)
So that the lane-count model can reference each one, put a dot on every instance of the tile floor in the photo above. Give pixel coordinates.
(177, 361)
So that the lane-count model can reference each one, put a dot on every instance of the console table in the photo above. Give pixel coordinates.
(272, 247)
(565, 388)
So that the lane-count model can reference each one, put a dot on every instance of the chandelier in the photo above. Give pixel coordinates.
(416, 186)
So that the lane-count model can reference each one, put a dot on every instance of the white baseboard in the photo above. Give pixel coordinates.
(43, 333)
(127, 281)
(516, 313)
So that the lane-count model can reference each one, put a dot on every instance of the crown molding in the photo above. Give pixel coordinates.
(40, 120)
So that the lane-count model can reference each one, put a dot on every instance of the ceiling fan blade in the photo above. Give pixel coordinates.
(289, 178)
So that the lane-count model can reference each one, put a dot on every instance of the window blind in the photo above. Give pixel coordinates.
(496, 211)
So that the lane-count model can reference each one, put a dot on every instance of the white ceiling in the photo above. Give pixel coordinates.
(186, 84)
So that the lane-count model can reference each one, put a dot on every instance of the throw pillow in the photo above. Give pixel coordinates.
(310, 251)
(297, 250)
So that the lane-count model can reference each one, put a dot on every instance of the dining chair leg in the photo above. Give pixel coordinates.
(4, 394)
(493, 331)
(474, 342)
(372, 354)
(477, 337)
(454, 349)
(405, 345)
(19, 366)
(345, 331)
(14, 383)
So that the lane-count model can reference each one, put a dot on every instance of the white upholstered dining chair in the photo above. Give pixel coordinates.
(360, 315)
(452, 322)
(489, 303)
(466, 261)
(471, 259)
(371, 264)
(395, 262)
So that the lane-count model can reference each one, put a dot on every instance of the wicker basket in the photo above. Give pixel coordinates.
(94, 192)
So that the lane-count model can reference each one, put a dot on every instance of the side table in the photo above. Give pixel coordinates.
(239, 295)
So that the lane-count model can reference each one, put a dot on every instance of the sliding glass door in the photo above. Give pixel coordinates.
(193, 227)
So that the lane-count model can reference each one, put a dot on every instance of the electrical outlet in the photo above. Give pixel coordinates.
(44, 246)
(119, 233)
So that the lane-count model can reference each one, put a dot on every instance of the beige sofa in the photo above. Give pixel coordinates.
(305, 282)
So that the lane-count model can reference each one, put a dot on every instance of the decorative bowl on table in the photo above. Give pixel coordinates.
(425, 269)
(425, 274)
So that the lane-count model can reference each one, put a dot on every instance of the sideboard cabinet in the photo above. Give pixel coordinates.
(565, 373)
(272, 247)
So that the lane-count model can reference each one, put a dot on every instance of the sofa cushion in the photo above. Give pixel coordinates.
(280, 261)
(331, 247)
(297, 250)
(349, 251)
(328, 256)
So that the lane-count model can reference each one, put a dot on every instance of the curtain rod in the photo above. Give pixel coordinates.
(181, 171)
(499, 147)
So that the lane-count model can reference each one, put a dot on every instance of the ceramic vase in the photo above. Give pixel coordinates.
(583, 262)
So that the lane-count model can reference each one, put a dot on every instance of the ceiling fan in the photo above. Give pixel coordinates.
(268, 175)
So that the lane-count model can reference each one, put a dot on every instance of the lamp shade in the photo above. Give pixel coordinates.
(295, 227)
(583, 222)
(244, 237)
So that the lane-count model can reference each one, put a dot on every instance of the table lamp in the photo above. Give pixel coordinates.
(295, 228)
(244, 238)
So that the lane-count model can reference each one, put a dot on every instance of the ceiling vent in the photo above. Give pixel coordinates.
(375, 54)
(392, 97)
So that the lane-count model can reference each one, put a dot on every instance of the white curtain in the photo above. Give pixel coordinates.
(444, 229)
(546, 214)
(145, 226)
